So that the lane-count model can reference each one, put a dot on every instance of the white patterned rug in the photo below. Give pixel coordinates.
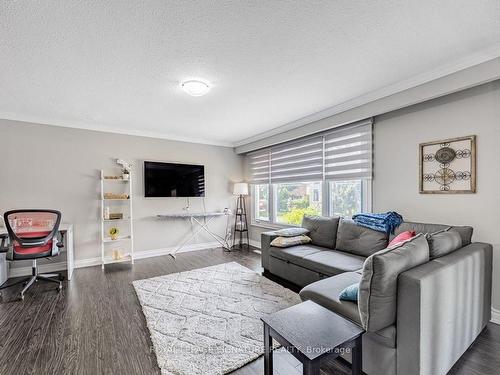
(207, 321)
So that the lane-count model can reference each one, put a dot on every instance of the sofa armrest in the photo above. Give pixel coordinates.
(443, 305)
(265, 244)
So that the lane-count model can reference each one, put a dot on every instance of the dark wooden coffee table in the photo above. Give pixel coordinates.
(310, 333)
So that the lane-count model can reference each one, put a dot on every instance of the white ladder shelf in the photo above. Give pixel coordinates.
(125, 224)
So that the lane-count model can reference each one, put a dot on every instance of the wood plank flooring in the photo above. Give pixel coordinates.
(95, 325)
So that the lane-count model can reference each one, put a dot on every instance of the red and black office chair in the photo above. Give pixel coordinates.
(32, 234)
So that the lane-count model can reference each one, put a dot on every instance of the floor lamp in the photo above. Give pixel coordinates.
(240, 222)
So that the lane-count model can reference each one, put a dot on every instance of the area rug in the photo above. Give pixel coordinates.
(207, 321)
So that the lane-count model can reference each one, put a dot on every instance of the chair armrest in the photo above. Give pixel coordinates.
(265, 245)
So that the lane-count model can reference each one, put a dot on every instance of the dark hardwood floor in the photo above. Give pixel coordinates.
(96, 326)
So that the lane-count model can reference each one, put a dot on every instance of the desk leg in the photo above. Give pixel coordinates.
(268, 351)
(70, 260)
(310, 368)
(357, 357)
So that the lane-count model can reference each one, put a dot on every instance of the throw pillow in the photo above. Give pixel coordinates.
(443, 242)
(405, 236)
(290, 241)
(350, 293)
(291, 232)
(322, 230)
(379, 281)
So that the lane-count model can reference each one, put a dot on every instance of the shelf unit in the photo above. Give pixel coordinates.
(125, 241)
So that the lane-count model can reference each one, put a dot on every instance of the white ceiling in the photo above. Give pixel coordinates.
(117, 65)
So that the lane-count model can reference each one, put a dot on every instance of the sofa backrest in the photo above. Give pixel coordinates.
(358, 240)
(464, 231)
(322, 230)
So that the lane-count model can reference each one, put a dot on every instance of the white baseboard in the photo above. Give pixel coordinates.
(255, 243)
(495, 316)
(90, 262)
(170, 250)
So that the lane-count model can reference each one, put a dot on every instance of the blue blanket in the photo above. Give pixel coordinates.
(386, 222)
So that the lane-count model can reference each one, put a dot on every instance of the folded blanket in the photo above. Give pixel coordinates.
(385, 222)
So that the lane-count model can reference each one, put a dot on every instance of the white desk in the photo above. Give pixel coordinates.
(202, 219)
(67, 231)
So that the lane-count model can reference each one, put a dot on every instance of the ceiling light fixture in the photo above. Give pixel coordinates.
(195, 87)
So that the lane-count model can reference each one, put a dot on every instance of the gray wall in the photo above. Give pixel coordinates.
(395, 186)
(47, 166)
(397, 136)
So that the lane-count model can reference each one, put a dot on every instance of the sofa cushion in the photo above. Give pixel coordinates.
(332, 262)
(322, 230)
(443, 242)
(326, 293)
(379, 280)
(294, 253)
(290, 241)
(359, 240)
(464, 231)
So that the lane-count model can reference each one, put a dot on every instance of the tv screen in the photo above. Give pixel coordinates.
(173, 180)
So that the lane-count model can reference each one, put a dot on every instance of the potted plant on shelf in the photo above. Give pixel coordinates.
(126, 175)
(126, 168)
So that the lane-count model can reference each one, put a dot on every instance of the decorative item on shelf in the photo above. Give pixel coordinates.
(116, 254)
(113, 233)
(106, 213)
(448, 166)
(116, 196)
(240, 224)
(115, 216)
(113, 177)
(126, 169)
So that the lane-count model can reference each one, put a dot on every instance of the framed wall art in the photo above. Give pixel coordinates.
(448, 166)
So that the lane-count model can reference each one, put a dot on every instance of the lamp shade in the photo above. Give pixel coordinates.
(240, 188)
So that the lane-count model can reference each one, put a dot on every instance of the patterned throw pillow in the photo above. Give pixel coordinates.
(290, 241)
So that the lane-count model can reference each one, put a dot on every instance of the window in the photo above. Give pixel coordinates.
(261, 202)
(327, 173)
(345, 198)
(294, 200)
(287, 203)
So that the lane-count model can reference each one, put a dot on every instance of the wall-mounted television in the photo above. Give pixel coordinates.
(173, 180)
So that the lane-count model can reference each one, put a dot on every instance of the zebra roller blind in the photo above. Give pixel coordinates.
(339, 154)
(348, 152)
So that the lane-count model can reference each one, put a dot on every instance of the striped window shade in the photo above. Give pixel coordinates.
(258, 166)
(348, 152)
(298, 161)
(341, 154)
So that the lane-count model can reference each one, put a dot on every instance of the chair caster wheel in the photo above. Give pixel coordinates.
(59, 288)
(22, 297)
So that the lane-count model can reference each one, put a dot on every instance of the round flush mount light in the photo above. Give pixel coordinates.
(195, 87)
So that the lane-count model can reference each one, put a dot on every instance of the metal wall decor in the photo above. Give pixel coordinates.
(448, 166)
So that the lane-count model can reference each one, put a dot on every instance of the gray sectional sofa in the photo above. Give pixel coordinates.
(441, 307)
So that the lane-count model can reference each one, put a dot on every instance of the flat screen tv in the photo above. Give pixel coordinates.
(173, 180)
